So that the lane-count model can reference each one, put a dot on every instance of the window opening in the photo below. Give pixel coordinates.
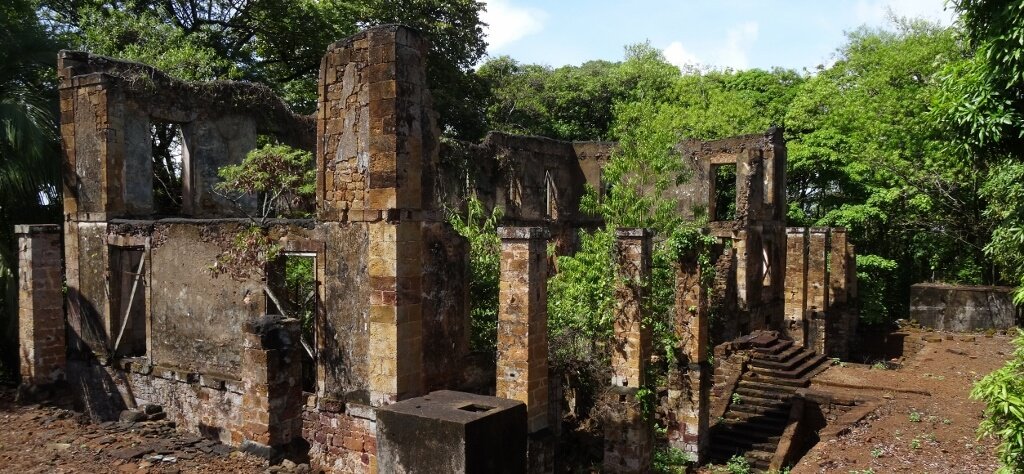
(292, 279)
(551, 196)
(168, 170)
(723, 192)
(128, 301)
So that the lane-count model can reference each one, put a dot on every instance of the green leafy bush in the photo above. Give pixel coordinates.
(481, 230)
(282, 178)
(1002, 391)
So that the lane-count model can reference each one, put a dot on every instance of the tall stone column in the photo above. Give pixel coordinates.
(795, 303)
(690, 382)
(632, 343)
(271, 370)
(840, 328)
(817, 288)
(628, 436)
(522, 366)
(40, 305)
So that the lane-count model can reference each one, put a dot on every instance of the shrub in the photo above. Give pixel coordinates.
(1002, 391)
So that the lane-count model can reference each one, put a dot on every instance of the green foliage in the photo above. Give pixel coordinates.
(669, 460)
(915, 416)
(29, 150)
(299, 291)
(282, 178)
(580, 298)
(278, 43)
(249, 253)
(1005, 192)
(481, 230)
(1002, 392)
(874, 275)
(737, 465)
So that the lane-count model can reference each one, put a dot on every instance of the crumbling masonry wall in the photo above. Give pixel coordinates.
(149, 322)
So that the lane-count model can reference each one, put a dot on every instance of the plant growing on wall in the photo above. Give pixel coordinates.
(282, 181)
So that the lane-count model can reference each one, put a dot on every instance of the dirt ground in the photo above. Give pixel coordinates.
(924, 421)
(47, 439)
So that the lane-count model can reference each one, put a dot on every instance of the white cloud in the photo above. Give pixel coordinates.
(876, 12)
(507, 23)
(730, 52)
(678, 55)
(738, 39)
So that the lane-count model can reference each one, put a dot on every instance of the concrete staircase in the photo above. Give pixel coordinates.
(759, 408)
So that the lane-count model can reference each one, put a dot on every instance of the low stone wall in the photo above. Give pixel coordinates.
(204, 405)
(340, 440)
(963, 307)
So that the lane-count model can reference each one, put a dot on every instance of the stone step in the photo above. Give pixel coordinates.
(766, 399)
(790, 363)
(792, 349)
(775, 347)
(795, 373)
(758, 404)
(770, 390)
(772, 421)
(766, 377)
(756, 426)
(751, 410)
(739, 444)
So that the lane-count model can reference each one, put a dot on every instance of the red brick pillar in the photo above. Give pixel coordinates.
(522, 368)
(272, 373)
(40, 305)
(632, 343)
(628, 437)
(690, 382)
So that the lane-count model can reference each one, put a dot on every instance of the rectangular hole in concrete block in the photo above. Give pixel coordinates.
(476, 408)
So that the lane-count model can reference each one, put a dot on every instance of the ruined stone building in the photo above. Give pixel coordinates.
(144, 320)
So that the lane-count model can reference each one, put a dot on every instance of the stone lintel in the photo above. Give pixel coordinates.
(27, 229)
(523, 233)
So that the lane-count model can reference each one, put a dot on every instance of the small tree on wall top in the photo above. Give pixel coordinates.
(282, 181)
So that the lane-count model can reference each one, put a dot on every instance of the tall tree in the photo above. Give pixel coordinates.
(982, 106)
(278, 42)
(28, 147)
(864, 154)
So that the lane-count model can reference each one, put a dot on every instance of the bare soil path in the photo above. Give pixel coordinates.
(914, 432)
(46, 439)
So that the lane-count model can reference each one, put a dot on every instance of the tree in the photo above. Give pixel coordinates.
(982, 106)
(29, 151)
(277, 42)
(865, 154)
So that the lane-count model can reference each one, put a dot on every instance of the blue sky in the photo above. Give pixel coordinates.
(739, 34)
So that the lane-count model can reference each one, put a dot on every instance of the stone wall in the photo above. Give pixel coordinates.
(963, 307)
(821, 290)
(41, 310)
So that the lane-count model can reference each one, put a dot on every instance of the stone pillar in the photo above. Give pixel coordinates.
(271, 370)
(839, 333)
(40, 305)
(690, 382)
(632, 343)
(377, 145)
(522, 366)
(796, 283)
(817, 288)
(629, 439)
